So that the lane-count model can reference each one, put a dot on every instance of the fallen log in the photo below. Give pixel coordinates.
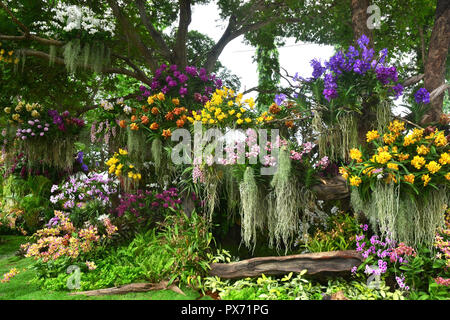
(314, 263)
(132, 287)
(332, 189)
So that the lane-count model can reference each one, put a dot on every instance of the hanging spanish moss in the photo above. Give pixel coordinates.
(232, 193)
(156, 150)
(52, 53)
(384, 116)
(404, 219)
(336, 139)
(253, 215)
(285, 203)
(95, 55)
(211, 196)
(137, 147)
(58, 153)
(71, 55)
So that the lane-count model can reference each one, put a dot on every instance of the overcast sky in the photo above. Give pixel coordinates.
(237, 56)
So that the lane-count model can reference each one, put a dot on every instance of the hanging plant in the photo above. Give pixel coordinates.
(44, 136)
(402, 185)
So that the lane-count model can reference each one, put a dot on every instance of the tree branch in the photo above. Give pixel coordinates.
(32, 37)
(132, 34)
(183, 25)
(155, 34)
(13, 17)
(92, 107)
(413, 80)
(107, 70)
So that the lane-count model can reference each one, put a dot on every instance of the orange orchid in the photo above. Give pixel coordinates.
(180, 123)
(154, 126)
(166, 133)
(145, 120)
(134, 126)
(169, 116)
(155, 111)
(123, 123)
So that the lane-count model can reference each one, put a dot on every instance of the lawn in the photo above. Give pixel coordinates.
(20, 288)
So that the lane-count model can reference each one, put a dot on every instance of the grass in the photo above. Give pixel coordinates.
(20, 288)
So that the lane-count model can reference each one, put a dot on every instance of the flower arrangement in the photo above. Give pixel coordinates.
(191, 85)
(62, 239)
(43, 135)
(228, 109)
(159, 118)
(120, 165)
(417, 270)
(350, 83)
(141, 208)
(77, 191)
(412, 163)
(418, 159)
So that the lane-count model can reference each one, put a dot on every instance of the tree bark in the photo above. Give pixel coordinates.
(436, 60)
(359, 20)
(128, 288)
(314, 263)
(332, 189)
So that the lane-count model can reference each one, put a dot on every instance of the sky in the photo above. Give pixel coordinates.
(238, 57)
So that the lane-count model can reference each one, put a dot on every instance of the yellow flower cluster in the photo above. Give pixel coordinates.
(355, 154)
(20, 111)
(7, 56)
(372, 135)
(355, 181)
(227, 107)
(402, 157)
(382, 157)
(418, 162)
(119, 163)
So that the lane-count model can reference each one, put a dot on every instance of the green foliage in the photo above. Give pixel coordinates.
(296, 287)
(338, 234)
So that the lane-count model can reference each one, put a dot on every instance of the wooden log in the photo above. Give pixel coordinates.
(132, 287)
(332, 189)
(314, 263)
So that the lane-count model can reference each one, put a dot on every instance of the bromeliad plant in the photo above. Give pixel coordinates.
(402, 182)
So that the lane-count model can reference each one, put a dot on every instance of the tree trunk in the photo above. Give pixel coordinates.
(359, 26)
(436, 60)
(314, 263)
(359, 20)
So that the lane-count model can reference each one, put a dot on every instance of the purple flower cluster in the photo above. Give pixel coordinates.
(279, 98)
(384, 252)
(356, 62)
(422, 96)
(168, 198)
(64, 119)
(80, 159)
(77, 191)
(32, 129)
(168, 79)
(139, 205)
